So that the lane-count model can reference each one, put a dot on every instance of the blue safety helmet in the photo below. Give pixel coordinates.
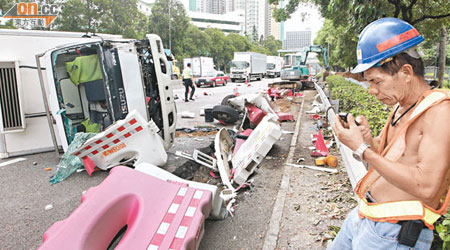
(383, 39)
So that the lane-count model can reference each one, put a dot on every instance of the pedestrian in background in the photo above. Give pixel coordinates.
(188, 80)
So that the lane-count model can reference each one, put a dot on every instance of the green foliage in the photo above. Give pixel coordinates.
(443, 229)
(272, 45)
(356, 100)
(346, 20)
(179, 23)
(342, 44)
(105, 16)
(5, 5)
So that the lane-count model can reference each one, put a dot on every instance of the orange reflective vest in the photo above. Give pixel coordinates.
(401, 210)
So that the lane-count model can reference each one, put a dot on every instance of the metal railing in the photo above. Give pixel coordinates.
(355, 169)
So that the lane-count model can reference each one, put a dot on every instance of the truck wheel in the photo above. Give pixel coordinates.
(225, 113)
(225, 100)
(232, 80)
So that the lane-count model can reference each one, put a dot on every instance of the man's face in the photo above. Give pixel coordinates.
(385, 87)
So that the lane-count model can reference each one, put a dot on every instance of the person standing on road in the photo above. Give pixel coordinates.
(188, 80)
(406, 188)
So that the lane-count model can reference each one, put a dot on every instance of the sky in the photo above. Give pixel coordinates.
(313, 21)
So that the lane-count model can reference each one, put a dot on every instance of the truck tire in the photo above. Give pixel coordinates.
(225, 113)
(232, 80)
(225, 100)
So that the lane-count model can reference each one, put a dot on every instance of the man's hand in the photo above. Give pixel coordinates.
(349, 133)
(364, 127)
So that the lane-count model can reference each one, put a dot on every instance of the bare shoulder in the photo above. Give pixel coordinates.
(438, 117)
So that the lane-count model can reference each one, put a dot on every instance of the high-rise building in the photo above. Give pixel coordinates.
(216, 6)
(297, 39)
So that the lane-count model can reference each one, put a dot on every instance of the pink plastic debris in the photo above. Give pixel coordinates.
(158, 215)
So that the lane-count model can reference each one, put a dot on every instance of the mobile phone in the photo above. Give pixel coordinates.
(343, 117)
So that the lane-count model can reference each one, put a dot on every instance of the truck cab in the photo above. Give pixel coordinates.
(94, 84)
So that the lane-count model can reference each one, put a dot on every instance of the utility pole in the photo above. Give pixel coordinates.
(170, 33)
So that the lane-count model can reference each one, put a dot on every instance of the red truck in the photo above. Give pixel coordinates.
(212, 79)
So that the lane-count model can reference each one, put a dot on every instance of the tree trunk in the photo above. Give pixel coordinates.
(442, 55)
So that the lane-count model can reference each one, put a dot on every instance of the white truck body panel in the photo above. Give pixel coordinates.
(201, 66)
(22, 46)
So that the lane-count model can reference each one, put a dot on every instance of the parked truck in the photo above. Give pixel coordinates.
(274, 64)
(201, 66)
(55, 84)
(247, 66)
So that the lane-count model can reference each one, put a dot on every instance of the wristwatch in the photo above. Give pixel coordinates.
(358, 153)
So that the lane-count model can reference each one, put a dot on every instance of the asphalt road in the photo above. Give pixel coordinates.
(27, 196)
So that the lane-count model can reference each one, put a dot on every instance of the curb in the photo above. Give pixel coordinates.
(270, 242)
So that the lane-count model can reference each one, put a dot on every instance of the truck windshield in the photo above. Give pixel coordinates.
(271, 66)
(240, 64)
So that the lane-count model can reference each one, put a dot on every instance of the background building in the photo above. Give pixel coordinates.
(251, 17)
(297, 39)
(232, 22)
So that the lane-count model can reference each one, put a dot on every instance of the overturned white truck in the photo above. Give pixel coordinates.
(55, 84)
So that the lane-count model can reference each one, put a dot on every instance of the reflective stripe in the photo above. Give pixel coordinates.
(392, 209)
(403, 37)
(398, 209)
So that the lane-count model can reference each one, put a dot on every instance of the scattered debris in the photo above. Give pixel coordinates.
(300, 160)
(47, 169)
(34, 163)
(333, 171)
(48, 207)
(187, 114)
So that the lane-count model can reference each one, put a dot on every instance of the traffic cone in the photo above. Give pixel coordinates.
(246, 81)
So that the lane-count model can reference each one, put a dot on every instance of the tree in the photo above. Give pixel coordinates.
(350, 17)
(159, 24)
(221, 48)
(272, 45)
(5, 5)
(442, 55)
(240, 43)
(195, 43)
(106, 16)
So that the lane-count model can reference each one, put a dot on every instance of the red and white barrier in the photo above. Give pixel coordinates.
(126, 139)
(158, 214)
(255, 148)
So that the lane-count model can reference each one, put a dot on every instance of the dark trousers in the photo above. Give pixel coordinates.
(188, 83)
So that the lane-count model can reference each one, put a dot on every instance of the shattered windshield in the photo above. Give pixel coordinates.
(270, 65)
(240, 64)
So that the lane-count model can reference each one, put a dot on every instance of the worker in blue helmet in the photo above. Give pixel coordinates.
(406, 187)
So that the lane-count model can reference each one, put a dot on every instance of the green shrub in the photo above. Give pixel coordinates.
(356, 100)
